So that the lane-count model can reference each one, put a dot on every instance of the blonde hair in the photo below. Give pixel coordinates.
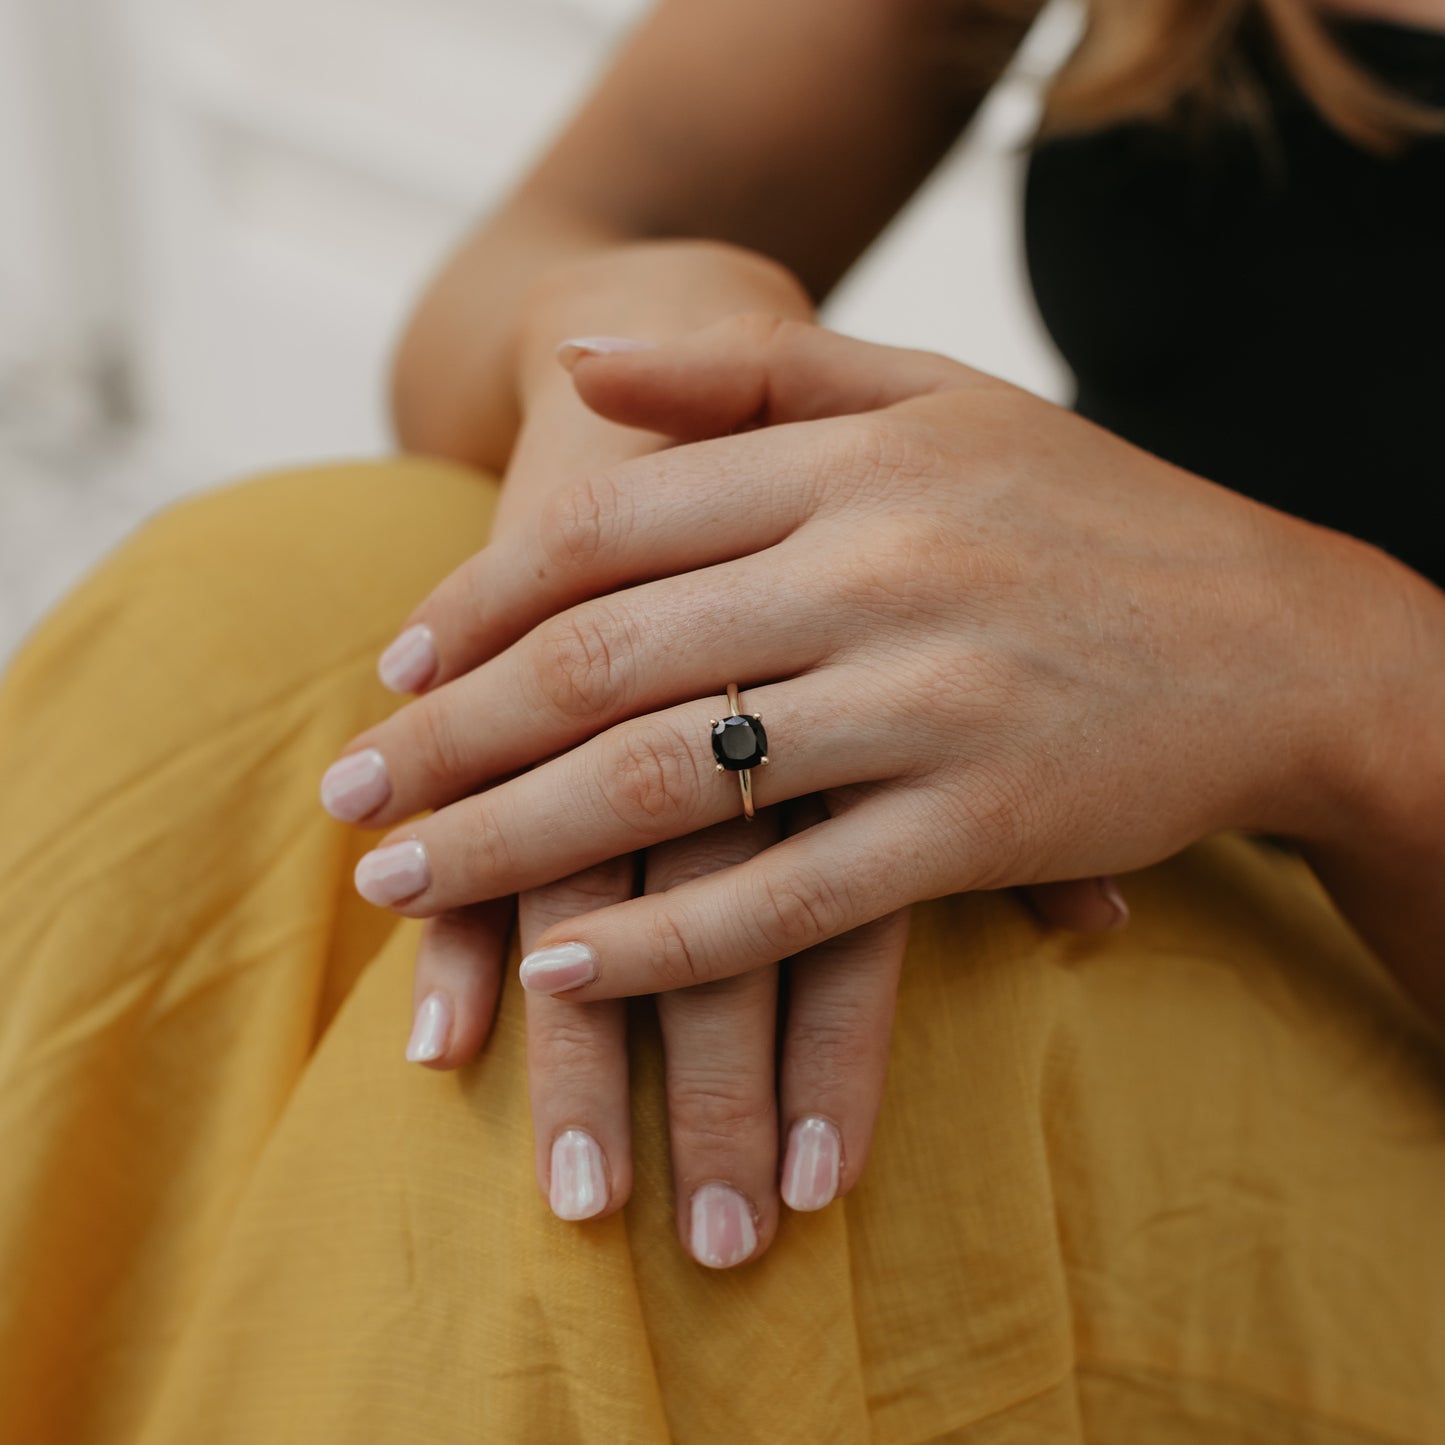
(1161, 59)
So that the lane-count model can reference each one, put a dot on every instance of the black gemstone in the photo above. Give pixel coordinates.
(739, 742)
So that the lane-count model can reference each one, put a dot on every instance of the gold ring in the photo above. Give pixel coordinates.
(739, 744)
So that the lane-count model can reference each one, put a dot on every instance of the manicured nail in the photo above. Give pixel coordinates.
(387, 875)
(579, 1182)
(571, 351)
(431, 1030)
(723, 1233)
(355, 785)
(409, 662)
(1109, 891)
(810, 1172)
(563, 966)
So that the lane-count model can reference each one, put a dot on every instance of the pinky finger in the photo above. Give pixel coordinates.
(1085, 905)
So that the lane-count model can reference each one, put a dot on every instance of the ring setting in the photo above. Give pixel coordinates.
(739, 744)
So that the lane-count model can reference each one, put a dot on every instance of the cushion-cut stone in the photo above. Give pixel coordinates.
(739, 742)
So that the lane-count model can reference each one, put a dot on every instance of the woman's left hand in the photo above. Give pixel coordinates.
(1005, 646)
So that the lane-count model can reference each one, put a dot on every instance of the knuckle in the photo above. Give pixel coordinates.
(762, 329)
(829, 1042)
(798, 910)
(653, 776)
(569, 1047)
(579, 662)
(597, 887)
(578, 523)
(676, 963)
(699, 856)
(717, 1106)
(486, 858)
(435, 742)
(907, 560)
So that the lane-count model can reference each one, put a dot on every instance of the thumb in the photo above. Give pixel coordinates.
(749, 371)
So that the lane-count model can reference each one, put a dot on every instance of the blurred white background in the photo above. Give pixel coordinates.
(214, 215)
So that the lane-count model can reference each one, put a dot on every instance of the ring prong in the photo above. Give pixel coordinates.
(757, 717)
(718, 768)
(712, 722)
(763, 761)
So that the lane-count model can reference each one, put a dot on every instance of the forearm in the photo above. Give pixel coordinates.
(793, 131)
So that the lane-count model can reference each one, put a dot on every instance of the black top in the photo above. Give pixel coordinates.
(1270, 315)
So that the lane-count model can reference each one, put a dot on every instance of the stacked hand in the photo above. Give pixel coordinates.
(992, 645)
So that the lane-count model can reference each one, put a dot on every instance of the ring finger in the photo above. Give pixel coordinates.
(635, 785)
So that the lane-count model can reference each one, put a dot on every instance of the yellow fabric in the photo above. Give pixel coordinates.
(1185, 1184)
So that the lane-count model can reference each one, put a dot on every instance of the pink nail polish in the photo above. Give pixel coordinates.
(563, 966)
(408, 664)
(1111, 895)
(811, 1169)
(356, 785)
(571, 351)
(723, 1233)
(388, 875)
(431, 1029)
(579, 1182)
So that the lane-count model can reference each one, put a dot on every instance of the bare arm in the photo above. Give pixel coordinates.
(794, 131)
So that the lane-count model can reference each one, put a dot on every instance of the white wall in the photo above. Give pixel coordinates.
(241, 197)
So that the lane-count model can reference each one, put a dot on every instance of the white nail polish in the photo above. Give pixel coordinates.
(723, 1233)
(430, 1030)
(569, 352)
(563, 966)
(810, 1172)
(579, 1181)
(355, 785)
(388, 875)
(409, 662)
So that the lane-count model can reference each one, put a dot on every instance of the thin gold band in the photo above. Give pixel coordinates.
(745, 778)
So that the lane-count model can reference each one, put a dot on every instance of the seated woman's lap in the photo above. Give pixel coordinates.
(1181, 1183)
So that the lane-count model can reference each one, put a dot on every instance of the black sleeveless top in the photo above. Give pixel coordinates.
(1270, 315)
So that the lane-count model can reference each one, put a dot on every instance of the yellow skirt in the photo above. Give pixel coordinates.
(1185, 1184)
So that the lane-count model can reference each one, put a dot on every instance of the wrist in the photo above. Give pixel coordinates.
(1380, 766)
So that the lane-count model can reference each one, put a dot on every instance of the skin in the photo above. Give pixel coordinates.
(848, 109)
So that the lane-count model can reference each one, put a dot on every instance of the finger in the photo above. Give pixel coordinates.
(637, 784)
(577, 1066)
(652, 517)
(458, 980)
(835, 1057)
(754, 370)
(1085, 905)
(869, 861)
(719, 1042)
(605, 661)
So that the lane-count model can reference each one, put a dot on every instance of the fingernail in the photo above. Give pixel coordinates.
(431, 1029)
(579, 1183)
(571, 351)
(387, 875)
(1109, 891)
(355, 785)
(410, 661)
(810, 1172)
(723, 1233)
(563, 966)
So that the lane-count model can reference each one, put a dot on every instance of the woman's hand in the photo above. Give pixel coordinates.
(719, 1040)
(1003, 645)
